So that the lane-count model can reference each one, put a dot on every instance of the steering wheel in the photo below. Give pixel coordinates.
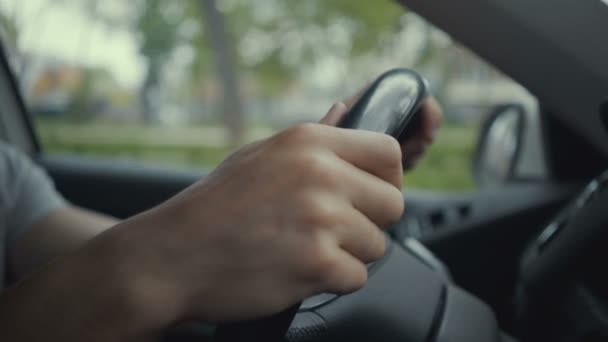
(404, 299)
(557, 266)
(556, 254)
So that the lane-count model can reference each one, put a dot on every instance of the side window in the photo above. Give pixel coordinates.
(185, 82)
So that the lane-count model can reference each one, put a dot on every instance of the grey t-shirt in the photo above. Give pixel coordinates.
(26, 195)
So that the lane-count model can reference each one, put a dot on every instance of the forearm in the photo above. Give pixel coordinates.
(87, 296)
(58, 234)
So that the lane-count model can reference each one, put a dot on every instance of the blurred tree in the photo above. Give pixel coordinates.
(271, 40)
(157, 32)
(156, 24)
(9, 29)
(79, 108)
(221, 42)
(11, 23)
(267, 41)
(278, 38)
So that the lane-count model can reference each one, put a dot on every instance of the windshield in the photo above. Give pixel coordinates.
(185, 82)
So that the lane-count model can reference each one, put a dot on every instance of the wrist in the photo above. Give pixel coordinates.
(145, 306)
(91, 295)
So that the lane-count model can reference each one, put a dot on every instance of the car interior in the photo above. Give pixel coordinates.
(521, 258)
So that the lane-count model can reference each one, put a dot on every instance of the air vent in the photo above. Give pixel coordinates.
(464, 211)
(437, 218)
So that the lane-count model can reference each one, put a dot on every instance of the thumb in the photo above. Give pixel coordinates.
(335, 113)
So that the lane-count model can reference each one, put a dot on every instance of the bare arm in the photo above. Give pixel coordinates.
(56, 234)
(312, 181)
(87, 295)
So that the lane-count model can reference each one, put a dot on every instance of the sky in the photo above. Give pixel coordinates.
(57, 30)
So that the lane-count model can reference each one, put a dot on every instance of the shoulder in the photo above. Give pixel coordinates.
(13, 164)
(26, 192)
(18, 173)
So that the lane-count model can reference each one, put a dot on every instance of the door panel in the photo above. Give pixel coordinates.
(121, 189)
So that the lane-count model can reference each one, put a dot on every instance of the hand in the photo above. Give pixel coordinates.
(431, 117)
(280, 220)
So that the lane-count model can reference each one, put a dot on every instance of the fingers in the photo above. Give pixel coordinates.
(360, 237)
(369, 169)
(345, 273)
(341, 243)
(376, 153)
(338, 110)
(432, 117)
(412, 150)
(379, 201)
(430, 111)
(350, 101)
(329, 267)
(334, 114)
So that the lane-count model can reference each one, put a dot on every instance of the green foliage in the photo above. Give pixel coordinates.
(299, 31)
(9, 30)
(189, 156)
(157, 30)
(447, 164)
(79, 108)
(302, 31)
(372, 20)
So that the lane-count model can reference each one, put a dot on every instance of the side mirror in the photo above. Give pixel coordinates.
(499, 146)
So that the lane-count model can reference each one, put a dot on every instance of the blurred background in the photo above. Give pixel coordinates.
(182, 83)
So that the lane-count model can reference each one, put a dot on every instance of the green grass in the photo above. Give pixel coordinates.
(446, 166)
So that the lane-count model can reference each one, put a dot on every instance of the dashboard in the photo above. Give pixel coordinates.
(561, 287)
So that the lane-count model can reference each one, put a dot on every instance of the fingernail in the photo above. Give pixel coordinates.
(338, 105)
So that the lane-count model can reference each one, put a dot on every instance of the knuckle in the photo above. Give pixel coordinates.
(312, 163)
(392, 150)
(306, 262)
(317, 167)
(327, 267)
(377, 247)
(371, 246)
(394, 205)
(356, 279)
(320, 212)
(304, 131)
(327, 271)
(320, 265)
